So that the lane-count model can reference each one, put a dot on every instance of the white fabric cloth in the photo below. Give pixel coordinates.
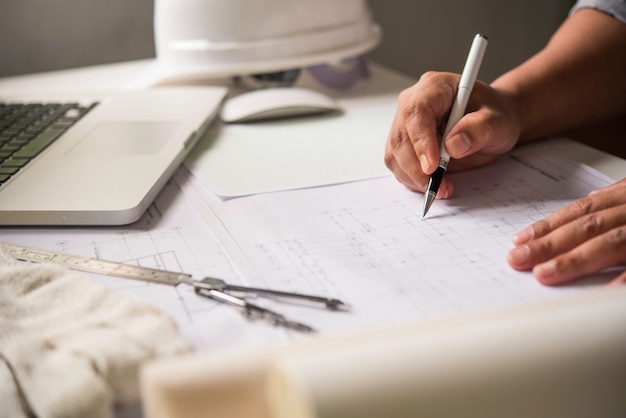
(70, 347)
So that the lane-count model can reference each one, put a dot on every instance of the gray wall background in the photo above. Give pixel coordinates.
(436, 34)
(42, 35)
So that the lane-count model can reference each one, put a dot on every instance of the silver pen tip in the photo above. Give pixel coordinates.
(429, 198)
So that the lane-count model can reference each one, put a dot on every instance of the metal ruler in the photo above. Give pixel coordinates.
(94, 265)
(210, 287)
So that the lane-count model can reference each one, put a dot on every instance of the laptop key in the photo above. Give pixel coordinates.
(37, 145)
(8, 170)
(15, 162)
(26, 130)
(8, 146)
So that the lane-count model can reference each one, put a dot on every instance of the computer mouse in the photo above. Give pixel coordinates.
(275, 103)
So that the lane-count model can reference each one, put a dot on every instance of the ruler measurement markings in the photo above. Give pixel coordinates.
(93, 265)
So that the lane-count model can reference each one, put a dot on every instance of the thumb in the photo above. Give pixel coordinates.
(484, 132)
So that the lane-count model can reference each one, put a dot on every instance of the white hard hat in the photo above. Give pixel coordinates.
(223, 38)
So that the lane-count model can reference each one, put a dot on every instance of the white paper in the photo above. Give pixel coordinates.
(363, 242)
(246, 159)
(366, 243)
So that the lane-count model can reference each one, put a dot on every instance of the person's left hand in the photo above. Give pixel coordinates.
(583, 238)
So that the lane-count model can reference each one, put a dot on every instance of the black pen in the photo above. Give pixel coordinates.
(464, 90)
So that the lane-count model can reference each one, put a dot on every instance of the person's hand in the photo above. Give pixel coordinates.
(489, 129)
(586, 237)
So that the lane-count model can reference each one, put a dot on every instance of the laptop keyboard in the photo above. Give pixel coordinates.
(27, 129)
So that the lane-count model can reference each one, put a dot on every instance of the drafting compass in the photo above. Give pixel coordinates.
(209, 287)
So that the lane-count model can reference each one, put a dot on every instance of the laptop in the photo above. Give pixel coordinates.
(96, 161)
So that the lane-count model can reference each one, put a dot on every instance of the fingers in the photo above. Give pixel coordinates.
(412, 149)
(595, 255)
(566, 237)
(403, 162)
(488, 130)
(585, 237)
(615, 186)
(424, 110)
(407, 171)
(602, 199)
(619, 280)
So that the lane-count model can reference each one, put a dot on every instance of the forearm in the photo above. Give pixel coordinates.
(577, 79)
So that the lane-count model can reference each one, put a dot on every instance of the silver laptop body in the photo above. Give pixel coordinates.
(108, 167)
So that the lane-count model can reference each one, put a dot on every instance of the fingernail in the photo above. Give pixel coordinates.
(620, 281)
(519, 255)
(545, 270)
(523, 236)
(424, 163)
(459, 143)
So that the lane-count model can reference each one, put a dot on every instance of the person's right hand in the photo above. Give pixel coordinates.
(490, 128)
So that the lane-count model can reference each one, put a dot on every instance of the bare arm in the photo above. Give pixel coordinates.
(577, 79)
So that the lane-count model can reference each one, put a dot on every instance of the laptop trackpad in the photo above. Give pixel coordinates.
(126, 138)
